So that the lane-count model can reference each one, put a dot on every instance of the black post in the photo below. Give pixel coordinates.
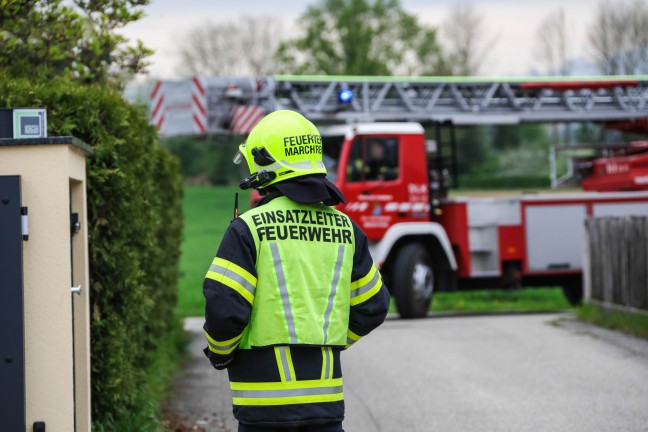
(455, 163)
(12, 339)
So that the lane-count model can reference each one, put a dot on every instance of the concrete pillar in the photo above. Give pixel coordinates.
(55, 258)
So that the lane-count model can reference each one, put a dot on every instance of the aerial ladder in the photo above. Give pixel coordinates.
(225, 105)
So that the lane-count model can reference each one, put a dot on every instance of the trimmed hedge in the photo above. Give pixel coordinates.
(135, 223)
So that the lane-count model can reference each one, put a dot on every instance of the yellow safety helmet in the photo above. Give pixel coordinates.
(283, 145)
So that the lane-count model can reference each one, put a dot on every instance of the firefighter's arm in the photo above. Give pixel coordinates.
(369, 295)
(229, 288)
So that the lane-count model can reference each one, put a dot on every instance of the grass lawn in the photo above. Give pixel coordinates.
(208, 211)
(627, 322)
(524, 300)
(207, 214)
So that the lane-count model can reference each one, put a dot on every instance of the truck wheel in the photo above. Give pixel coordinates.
(573, 292)
(413, 279)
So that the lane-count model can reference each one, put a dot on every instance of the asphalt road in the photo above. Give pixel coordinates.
(485, 373)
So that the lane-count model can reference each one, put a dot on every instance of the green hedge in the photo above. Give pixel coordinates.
(208, 158)
(135, 222)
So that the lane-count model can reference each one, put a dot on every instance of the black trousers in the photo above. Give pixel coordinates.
(327, 427)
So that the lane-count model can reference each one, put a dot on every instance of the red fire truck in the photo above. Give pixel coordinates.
(396, 182)
(426, 242)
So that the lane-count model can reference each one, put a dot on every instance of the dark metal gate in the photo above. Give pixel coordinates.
(12, 356)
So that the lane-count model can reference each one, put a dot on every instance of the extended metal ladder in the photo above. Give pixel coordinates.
(461, 100)
(213, 104)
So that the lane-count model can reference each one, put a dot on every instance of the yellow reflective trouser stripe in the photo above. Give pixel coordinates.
(222, 347)
(327, 363)
(284, 363)
(352, 338)
(287, 393)
(234, 276)
(365, 287)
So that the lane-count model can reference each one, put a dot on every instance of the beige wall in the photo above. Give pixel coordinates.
(50, 176)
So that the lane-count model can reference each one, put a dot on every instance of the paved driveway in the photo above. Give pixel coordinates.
(481, 373)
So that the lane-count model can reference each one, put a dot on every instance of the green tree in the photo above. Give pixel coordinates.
(361, 37)
(523, 135)
(473, 151)
(74, 38)
(522, 150)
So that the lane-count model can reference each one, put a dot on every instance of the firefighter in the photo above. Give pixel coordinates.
(292, 285)
(375, 164)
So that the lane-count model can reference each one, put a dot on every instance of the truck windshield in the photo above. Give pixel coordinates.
(332, 145)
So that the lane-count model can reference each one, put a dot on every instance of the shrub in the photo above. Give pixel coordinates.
(134, 221)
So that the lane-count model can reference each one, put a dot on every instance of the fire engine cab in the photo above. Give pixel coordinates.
(425, 242)
(396, 182)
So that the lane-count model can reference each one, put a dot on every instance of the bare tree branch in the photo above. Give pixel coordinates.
(618, 38)
(466, 42)
(552, 47)
(242, 47)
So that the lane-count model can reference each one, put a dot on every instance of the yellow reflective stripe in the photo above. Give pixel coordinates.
(291, 368)
(365, 287)
(280, 366)
(288, 400)
(284, 363)
(365, 279)
(367, 294)
(304, 384)
(232, 284)
(222, 347)
(287, 393)
(331, 362)
(227, 273)
(236, 269)
(352, 338)
(327, 363)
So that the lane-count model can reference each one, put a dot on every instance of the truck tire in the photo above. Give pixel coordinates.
(413, 280)
(573, 291)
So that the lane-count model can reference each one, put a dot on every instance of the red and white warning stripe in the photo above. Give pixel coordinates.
(244, 118)
(158, 108)
(198, 105)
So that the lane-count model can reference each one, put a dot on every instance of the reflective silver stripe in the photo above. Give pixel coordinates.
(284, 363)
(336, 279)
(287, 392)
(350, 341)
(284, 163)
(234, 276)
(270, 168)
(223, 347)
(366, 287)
(281, 280)
(327, 359)
(298, 165)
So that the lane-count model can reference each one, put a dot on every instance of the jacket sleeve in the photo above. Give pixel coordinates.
(369, 295)
(229, 288)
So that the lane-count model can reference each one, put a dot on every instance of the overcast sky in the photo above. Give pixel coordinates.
(511, 23)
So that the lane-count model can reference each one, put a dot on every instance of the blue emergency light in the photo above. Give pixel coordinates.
(345, 95)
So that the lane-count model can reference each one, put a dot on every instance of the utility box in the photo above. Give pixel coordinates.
(23, 123)
(44, 296)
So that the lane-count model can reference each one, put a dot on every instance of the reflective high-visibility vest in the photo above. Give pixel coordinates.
(304, 260)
